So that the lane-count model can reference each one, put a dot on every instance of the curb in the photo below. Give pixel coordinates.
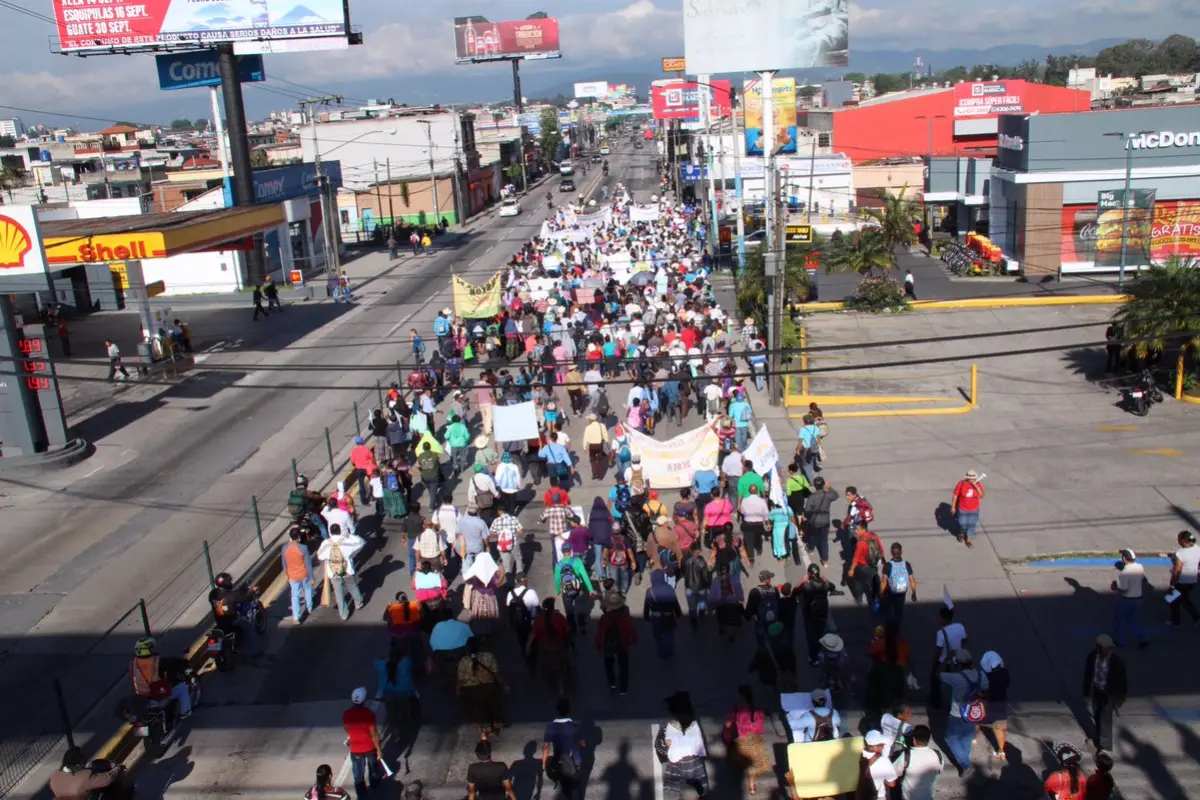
(992, 302)
(50, 461)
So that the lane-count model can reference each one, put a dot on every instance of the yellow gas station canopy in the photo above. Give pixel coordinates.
(90, 241)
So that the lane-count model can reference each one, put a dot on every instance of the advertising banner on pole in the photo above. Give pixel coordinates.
(783, 92)
(138, 25)
(1128, 215)
(737, 36)
(761, 452)
(476, 301)
(476, 39)
(1174, 231)
(677, 99)
(596, 89)
(187, 70)
(670, 464)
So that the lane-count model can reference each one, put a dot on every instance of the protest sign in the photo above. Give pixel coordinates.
(476, 301)
(761, 452)
(516, 423)
(669, 464)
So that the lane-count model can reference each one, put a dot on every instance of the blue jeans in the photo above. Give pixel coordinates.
(967, 522)
(412, 555)
(1127, 622)
(365, 769)
(298, 587)
(601, 567)
(742, 437)
(697, 600)
(959, 736)
(622, 578)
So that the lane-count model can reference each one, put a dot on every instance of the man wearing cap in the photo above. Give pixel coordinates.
(966, 684)
(877, 766)
(595, 437)
(820, 718)
(964, 505)
(1127, 613)
(1105, 687)
(362, 737)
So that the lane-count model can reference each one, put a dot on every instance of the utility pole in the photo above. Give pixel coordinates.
(432, 170)
(739, 142)
(378, 196)
(239, 153)
(773, 262)
(702, 85)
(812, 172)
(391, 204)
(332, 256)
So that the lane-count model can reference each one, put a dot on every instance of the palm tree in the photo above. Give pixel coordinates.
(895, 219)
(863, 252)
(754, 285)
(1164, 308)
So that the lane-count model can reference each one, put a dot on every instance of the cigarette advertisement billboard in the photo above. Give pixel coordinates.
(1157, 230)
(677, 99)
(740, 36)
(988, 98)
(97, 25)
(476, 39)
(783, 115)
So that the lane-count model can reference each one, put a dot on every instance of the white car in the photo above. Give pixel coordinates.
(510, 207)
(566, 168)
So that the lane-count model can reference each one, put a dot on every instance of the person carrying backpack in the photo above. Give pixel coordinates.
(697, 580)
(968, 706)
(821, 723)
(615, 636)
(896, 583)
(762, 606)
(620, 499)
(337, 554)
(572, 582)
(618, 559)
(864, 567)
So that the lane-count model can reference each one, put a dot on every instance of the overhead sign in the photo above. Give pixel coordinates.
(476, 39)
(1162, 139)
(693, 172)
(676, 64)
(200, 68)
(1007, 141)
(597, 89)
(987, 98)
(678, 99)
(20, 243)
(783, 115)
(799, 234)
(98, 25)
(738, 36)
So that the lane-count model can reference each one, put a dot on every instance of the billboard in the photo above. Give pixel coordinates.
(1090, 234)
(681, 99)
(21, 250)
(476, 39)
(737, 36)
(987, 98)
(85, 25)
(185, 70)
(597, 89)
(674, 64)
(783, 115)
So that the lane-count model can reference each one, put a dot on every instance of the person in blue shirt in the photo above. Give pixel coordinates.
(704, 480)
(674, 400)
(808, 447)
(441, 329)
(741, 414)
(396, 687)
(449, 634)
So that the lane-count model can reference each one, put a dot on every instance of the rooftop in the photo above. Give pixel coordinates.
(139, 223)
(117, 130)
(892, 97)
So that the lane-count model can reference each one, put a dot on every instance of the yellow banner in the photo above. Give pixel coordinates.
(477, 301)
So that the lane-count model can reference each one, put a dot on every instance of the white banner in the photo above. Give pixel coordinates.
(595, 219)
(514, 423)
(761, 452)
(670, 464)
(643, 213)
(540, 288)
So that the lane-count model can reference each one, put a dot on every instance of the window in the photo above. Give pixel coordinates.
(345, 217)
(298, 233)
(824, 140)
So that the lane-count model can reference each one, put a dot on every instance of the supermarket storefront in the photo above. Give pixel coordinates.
(1058, 195)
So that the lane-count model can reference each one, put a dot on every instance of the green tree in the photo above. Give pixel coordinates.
(754, 285)
(855, 77)
(1164, 307)
(200, 124)
(181, 124)
(884, 83)
(7, 141)
(1029, 70)
(11, 178)
(863, 251)
(551, 136)
(404, 196)
(895, 219)
(259, 158)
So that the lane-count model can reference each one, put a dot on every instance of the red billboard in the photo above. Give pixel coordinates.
(988, 98)
(476, 39)
(681, 99)
(1174, 230)
(102, 25)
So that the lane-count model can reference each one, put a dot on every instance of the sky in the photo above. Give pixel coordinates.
(414, 48)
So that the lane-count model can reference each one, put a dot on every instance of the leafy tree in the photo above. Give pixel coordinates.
(11, 178)
(863, 252)
(200, 124)
(7, 141)
(1164, 307)
(895, 219)
(404, 196)
(1179, 53)
(884, 83)
(259, 158)
(855, 77)
(754, 286)
(1029, 70)
(551, 136)
(181, 124)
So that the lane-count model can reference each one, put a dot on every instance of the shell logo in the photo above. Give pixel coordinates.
(14, 243)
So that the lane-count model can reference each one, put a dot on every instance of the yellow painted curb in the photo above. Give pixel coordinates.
(1189, 399)
(857, 400)
(996, 302)
(965, 408)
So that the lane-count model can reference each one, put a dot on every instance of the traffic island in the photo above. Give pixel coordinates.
(54, 459)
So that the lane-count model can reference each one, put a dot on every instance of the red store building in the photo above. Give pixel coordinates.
(958, 120)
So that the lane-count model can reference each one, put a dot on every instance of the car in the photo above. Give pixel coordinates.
(566, 168)
(567, 185)
(510, 207)
(604, 150)
(637, 145)
(596, 159)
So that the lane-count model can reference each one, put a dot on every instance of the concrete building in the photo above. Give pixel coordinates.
(12, 127)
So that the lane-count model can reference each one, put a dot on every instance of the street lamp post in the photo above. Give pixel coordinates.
(432, 171)
(929, 178)
(1125, 199)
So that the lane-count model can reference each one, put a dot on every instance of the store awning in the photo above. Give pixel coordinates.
(86, 241)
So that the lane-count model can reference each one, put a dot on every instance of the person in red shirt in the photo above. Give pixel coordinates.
(1100, 785)
(362, 736)
(864, 567)
(964, 505)
(362, 458)
(1068, 782)
(556, 496)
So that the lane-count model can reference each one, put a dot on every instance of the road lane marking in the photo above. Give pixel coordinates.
(1115, 428)
(402, 322)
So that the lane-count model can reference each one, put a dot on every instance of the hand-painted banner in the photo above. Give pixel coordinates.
(761, 452)
(670, 464)
(476, 301)
(643, 213)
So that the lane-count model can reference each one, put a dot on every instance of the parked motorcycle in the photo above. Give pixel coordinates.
(155, 722)
(1144, 393)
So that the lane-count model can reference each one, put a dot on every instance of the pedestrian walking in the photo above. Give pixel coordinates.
(426, 244)
(344, 286)
(362, 738)
(507, 532)
(337, 554)
(680, 748)
(808, 447)
(762, 605)
(257, 297)
(754, 512)
(415, 240)
(562, 752)
(391, 246)
(950, 637)
(910, 285)
(814, 593)
(619, 559)
(271, 292)
(572, 582)
(615, 637)
(876, 773)
(743, 736)
(480, 689)
(897, 582)
(1105, 687)
(297, 566)
(114, 361)
(1069, 782)
(324, 789)
(920, 766)
(1185, 571)
(964, 505)
(816, 520)
(64, 338)
(661, 609)
(968, 706)
(697, 582)
(1112, 348)
(864, 566)
(1127, 613)
(595, 440)
(997, 701)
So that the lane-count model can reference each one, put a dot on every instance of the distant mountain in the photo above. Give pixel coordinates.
(1008, 55)
(301, 15)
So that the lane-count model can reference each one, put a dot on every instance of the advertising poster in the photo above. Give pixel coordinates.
(740, 36)
(988, 98)
(673, 99)
(94, 25)
(669, 464)
(783, 113)
(1128, 214)
(1174, 229)
(476, 301)
(476, 39)
(596, 89)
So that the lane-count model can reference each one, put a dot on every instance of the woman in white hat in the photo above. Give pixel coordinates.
(486, 454)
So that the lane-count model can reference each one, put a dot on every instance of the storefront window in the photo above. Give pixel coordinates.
(298, 236)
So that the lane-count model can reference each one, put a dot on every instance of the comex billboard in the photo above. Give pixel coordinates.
(200, 68)
(596, 89)
(987, 98)
(477, 39)
(85, 25)
(739, 36)
(678, 99)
